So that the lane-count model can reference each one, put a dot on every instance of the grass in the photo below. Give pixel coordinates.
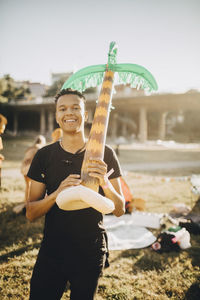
(133, 274)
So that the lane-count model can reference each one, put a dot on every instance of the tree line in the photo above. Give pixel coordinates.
(9, 90)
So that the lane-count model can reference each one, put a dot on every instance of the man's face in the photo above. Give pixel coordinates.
(70, 113)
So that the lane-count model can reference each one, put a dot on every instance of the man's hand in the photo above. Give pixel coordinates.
(71, 180)
(98, 168)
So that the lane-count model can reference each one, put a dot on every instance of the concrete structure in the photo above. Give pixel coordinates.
(129, 105)
(37, 89)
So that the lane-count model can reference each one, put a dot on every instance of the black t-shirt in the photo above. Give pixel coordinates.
(50, 166)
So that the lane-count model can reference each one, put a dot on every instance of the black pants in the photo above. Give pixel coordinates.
(50, 277)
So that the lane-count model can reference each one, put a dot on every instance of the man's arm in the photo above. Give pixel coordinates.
(38, 205)
(112, 190)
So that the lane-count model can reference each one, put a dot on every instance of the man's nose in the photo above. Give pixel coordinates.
(68, 110)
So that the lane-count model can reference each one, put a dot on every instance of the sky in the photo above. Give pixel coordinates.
(38, 37)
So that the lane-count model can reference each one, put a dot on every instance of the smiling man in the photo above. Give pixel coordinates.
(74, 244)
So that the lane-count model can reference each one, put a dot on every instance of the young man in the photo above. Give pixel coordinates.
(74, 246)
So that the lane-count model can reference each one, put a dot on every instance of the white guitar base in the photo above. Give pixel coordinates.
(80, 197)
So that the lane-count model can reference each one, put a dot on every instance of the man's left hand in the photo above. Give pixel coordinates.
(98, 168)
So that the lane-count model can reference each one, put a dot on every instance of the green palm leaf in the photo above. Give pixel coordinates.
(92, 76)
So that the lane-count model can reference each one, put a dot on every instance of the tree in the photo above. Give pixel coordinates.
(3, 87)
(55, 87)
(10, 91)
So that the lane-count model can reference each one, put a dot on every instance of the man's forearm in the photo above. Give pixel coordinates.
(118, 199)
(36, 209)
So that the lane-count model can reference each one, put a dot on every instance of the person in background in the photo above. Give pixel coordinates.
(3, 123)
(56, 135)
(39, 142)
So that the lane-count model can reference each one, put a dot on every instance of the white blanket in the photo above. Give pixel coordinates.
(124, 234)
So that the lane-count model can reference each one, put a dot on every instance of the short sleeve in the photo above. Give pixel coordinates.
(112, 162)
(37, 168)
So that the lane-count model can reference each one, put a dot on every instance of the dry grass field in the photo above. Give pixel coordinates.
(133, 274)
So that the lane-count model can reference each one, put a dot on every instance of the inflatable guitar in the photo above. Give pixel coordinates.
(86, 194)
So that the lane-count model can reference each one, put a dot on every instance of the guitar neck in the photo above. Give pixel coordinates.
(96, 142)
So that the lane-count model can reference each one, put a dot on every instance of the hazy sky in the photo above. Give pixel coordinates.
(42, 36)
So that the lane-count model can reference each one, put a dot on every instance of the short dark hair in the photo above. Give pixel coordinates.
(69, 92)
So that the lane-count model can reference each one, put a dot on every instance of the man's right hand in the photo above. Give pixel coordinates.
(71, 180)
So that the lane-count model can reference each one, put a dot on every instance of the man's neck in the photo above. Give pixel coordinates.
(73, 143)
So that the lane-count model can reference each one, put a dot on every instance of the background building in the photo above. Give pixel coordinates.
(135, 116)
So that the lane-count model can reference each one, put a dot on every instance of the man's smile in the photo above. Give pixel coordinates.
(70, 120)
